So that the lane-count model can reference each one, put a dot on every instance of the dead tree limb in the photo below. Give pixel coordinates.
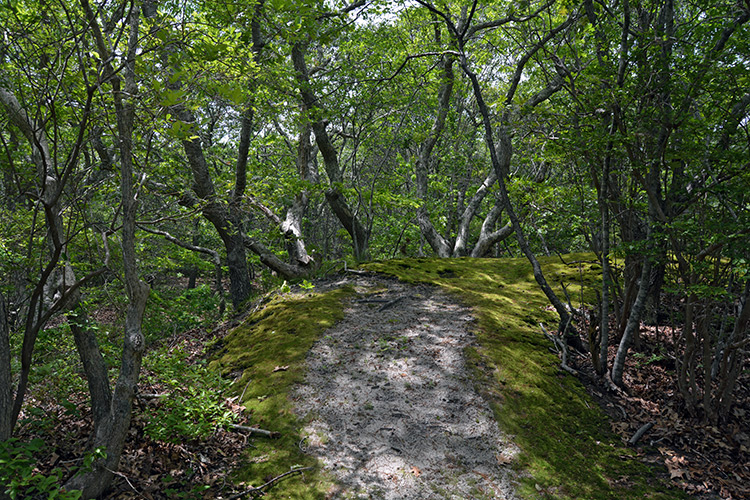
(639, 433)
(259, 490)
(561, 348)
(255, 430)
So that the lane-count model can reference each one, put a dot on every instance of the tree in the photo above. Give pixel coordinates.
(462, 31)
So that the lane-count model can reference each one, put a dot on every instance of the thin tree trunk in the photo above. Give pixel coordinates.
(93, 365)
(439, 244)
(501, 157)
(634, 322)
(6, 395)
(336, 200)
(111, 432)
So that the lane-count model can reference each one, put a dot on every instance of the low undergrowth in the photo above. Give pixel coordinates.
(567, 448)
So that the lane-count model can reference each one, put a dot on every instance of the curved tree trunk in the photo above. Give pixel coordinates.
(634, 323)
(113, 414)
(336, 200)
(487, 237)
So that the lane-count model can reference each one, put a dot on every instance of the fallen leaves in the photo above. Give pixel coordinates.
(700, 458)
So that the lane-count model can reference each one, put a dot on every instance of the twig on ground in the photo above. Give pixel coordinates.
(127, 480)
(356, 271)
(245, 389)
(562, 348)
(639, 433)
(259, 490)
(255, 430)
(391, 303)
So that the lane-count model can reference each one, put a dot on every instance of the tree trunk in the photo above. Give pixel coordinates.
(439, 244)
(487, 237)
(6, 395)
(227, 226)
(634, 323)
(111, 429)
(336, 200)
(468, 214)
(501, 157)
(94, 366)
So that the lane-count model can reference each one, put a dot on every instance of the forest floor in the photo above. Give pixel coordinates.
(389, 404)
(378, 388)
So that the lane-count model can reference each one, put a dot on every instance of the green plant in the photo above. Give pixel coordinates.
(644, 360)
(191, 414)
(19, 475)
(168, 313)
(194, 406)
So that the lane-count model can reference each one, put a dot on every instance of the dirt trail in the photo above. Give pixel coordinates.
(389, 406)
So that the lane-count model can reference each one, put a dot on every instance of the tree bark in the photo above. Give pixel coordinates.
(468, 214)
(634, 323)
(111, 429)
(57, 288)
(501, 157)
(227, 224)
(334, 196)
(6, 395)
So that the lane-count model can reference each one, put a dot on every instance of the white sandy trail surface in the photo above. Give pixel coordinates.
(388, 404)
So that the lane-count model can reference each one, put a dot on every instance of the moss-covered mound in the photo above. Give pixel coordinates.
(568, 451)
(267, 351)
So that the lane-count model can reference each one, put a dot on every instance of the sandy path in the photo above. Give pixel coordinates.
(389, 407)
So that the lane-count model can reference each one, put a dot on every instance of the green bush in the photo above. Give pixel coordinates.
(168, 313)
(194, 406)
(19, 478)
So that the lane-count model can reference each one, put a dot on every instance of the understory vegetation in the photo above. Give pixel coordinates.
(165, 165)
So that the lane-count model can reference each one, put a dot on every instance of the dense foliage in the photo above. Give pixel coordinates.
(231, 144)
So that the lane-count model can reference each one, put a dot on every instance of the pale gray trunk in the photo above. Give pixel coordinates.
(489, 238)
(634, 323)
(291, 227)
(464, 223)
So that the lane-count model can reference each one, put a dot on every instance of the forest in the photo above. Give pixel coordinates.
(167, 164)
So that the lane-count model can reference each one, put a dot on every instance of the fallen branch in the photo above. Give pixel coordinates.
(151, 396)
(259, 490)
(372, 301)
(391, 303)
(639, 433)
(255, 430)
(562, 348)
(356, 271)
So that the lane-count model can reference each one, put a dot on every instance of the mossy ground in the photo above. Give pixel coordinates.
(278, 335)
(567, 450)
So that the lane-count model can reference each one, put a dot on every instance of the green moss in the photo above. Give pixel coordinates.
(279, 335)
(567, 449)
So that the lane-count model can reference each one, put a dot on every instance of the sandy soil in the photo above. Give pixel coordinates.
(389, 406)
